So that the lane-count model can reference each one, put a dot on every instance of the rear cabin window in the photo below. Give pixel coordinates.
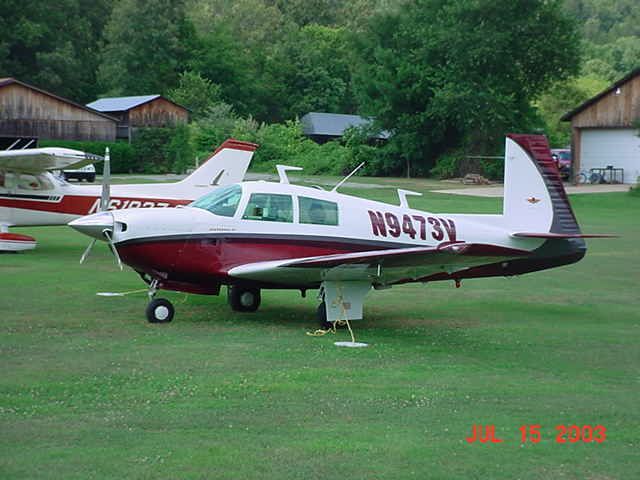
(318, 212)
(269, 208)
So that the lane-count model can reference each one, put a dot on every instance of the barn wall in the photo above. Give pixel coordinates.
(157, 113)
(26, 112)
(612, 110)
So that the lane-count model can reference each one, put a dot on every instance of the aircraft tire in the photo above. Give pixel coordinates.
(160, 310)
(321, 316)
(243, 299)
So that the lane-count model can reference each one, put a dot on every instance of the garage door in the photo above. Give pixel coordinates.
(619, 147)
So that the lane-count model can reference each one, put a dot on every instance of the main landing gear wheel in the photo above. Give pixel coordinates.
(321, 316)
(243, 299)
(160, 310)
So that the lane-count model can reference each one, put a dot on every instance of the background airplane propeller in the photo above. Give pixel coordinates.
(104, 206)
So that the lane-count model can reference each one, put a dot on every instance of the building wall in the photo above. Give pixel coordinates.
(26, 112)
(157, 113)
(612, 110)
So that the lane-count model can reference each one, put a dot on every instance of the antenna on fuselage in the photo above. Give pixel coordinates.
(347, 177)
(402, 195)
(282, 172)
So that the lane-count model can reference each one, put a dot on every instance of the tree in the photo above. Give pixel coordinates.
(317, 76)
(441, 74)
(196, 93)
(41, 46)
(147, 45)
(563, 97)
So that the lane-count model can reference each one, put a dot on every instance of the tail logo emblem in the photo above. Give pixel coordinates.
(533, 200)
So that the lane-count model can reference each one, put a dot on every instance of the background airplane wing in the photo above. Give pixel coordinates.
(389, 265)
(38, 160)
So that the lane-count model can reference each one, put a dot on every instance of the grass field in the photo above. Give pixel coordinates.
(89, 389)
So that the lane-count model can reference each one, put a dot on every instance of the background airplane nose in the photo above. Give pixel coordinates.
(94, 225)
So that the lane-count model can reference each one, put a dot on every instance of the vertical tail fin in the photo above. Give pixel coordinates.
(534, 197)
(227, 165)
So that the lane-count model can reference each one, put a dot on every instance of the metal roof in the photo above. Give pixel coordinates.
(334, 124)
(119, 104)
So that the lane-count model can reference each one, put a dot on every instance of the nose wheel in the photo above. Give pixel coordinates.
(160, 310)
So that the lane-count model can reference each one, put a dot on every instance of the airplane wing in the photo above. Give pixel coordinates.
(388, 266)
(38, 160)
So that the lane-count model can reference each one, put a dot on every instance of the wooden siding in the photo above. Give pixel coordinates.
(27, 112)
(612, 111)
(158, 113)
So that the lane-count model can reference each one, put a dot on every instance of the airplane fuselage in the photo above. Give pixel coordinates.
(193, 249)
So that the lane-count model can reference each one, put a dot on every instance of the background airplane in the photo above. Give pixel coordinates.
(31, 195)
(258, 235)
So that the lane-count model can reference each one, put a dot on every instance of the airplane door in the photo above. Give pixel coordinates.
(7, 188)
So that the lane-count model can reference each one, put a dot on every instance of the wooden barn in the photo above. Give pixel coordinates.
(141, 111)
(30, 112)
(605, 131)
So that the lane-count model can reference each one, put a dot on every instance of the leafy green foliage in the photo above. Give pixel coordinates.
(561, 98)
(147, 44)
(163, 150)
(442, 74)
(195, 92)
(318, 76)
(53, 47)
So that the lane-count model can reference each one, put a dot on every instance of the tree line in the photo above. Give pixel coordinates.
(446, 78)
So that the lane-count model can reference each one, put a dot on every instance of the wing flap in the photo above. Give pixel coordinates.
(562, 235)
(397, 263)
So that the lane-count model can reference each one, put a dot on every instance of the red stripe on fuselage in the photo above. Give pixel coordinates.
(84, 204)
(208, 259)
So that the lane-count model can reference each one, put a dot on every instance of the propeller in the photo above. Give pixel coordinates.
(98, 223)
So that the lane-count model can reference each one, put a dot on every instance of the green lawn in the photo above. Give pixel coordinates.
(89, 389)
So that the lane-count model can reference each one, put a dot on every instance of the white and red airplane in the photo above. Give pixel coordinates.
(263, 235)
(31, 195)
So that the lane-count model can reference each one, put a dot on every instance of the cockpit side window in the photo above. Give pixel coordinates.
(269, 208)
(222, 201)
(318, 212)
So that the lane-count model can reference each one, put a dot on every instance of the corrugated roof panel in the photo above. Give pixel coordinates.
(119, 104)
(333, 124)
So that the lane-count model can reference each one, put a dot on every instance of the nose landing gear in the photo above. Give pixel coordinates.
(159, 310)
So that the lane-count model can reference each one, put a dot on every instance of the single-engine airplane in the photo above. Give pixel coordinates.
(264, 235)
(31, 195)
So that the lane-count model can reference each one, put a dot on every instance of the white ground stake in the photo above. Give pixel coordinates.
(351, 344)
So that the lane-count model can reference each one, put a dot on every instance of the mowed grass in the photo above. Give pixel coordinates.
(89, 389)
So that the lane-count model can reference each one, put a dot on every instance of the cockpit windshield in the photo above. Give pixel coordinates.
(222, 201)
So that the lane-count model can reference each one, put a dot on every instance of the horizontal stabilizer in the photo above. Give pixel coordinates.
(562, 235)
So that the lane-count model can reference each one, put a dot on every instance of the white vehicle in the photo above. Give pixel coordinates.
(88, 173)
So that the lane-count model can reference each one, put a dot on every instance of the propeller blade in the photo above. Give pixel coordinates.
(107, 234)
(87, 251)
(106, 180)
